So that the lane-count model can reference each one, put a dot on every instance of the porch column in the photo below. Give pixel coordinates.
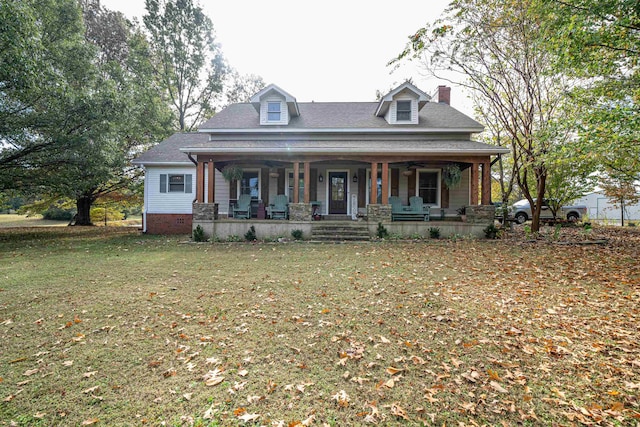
(374, 184)
(486, 183)
(385, 183)
(200, 182)
(473, 189)
(307, 182)
(211, 190)
(296, 182)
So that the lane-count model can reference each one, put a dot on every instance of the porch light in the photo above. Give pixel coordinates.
(320, 178)
(408, 172)
(274, 174)
(355, 178)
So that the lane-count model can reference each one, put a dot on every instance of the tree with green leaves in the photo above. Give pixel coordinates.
(496, 49)
(240, 88)
(45, 66)
(82, 107)
(188, 63)
(140, 117)
(597, 42)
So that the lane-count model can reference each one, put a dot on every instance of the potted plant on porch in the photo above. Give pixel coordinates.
(451, 175)
(232, 173)
(462, 211)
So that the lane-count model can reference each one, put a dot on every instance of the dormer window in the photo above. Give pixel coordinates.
(273, 111)
(275, 106)
(403, 111)
(402, 105)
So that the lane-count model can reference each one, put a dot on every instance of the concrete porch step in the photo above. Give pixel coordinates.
(340, 231)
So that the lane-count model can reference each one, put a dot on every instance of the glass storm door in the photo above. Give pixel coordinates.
(338, 193)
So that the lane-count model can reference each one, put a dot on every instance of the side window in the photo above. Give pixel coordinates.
(175, 183)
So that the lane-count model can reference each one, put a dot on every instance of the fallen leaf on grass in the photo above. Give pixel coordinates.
(398, 411)
(342, 398)
(392, 371)
(90, 421)
(243, 373)
(90, 389)
(249, 417)
(212, 378)
(30, 372)
(471, 376)
(208, 414)
(497, 387)
(169, 373)
(68, 363)
(309, 420)
(559, 393)
(493, 375)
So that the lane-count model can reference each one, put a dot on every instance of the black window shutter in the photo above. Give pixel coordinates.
(187, 183)
(163, 183)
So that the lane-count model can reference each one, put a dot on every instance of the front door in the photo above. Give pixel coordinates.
(338, 193)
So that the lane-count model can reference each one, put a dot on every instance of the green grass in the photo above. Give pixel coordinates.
(484, 332)
(14, 220)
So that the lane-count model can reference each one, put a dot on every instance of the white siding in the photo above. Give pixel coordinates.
(284, 112)
(168, 203)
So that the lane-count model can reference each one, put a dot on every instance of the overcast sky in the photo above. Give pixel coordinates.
(330, 50)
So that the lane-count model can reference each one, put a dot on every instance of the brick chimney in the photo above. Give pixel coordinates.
(444, 94)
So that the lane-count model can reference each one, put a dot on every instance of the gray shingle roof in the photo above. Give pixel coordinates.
(340, 115)
(168, 151)
(377, 136)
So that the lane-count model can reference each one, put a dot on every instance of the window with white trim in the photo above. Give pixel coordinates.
(273, 111)
(175, 183)
(429, 187)
(403, 111)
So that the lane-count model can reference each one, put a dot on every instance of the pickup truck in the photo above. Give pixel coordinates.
(521, 212)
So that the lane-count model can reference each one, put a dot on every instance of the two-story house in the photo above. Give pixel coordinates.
(336, 161)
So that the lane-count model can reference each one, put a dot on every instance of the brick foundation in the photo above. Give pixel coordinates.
(169, 223)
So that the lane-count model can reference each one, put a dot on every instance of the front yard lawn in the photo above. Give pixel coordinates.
(105, 326)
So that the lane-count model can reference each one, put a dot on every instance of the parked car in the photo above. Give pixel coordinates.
(522, 212)
(500, 208)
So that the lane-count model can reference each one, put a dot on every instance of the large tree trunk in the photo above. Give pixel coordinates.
(83, 205)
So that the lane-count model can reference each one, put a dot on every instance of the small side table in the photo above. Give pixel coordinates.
(262, 213)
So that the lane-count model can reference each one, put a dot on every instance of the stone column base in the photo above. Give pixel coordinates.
(300, 212)
(379, 213)
(484, 214)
